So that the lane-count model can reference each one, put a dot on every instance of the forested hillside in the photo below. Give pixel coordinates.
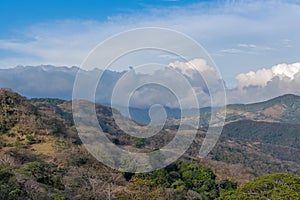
(41, 157)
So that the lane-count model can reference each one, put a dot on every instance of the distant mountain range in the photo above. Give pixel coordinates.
(285, 108)
(52, 82)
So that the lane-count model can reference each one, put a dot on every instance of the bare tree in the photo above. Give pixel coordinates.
(98, 183)
(7, 159)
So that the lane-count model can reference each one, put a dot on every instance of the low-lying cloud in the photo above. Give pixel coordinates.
(171, 85)
(266, 83)
(254, 86)
(263, 76)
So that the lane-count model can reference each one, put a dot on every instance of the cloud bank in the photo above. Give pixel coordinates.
(178, 82)
(175, 85)
(263, 76)
(254, 86)
(267, 83)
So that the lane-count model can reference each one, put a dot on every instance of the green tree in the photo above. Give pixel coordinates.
(46, 173)
(275, 186)
(9, 187)
(60, 197)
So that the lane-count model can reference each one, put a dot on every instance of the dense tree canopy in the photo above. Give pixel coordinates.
(275, 186)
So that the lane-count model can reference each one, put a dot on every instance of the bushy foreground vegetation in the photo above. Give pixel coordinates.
(84, 178)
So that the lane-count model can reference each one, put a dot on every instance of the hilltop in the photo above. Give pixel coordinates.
(284, 108)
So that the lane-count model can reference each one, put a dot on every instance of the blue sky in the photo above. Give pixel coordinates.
(241, 36)
(15, 14)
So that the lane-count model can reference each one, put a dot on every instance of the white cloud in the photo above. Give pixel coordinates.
(180, 81)
(265, 84)
(231, 51)
(189, 68)
(247, 45)
(263, 76)
(200, 74)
